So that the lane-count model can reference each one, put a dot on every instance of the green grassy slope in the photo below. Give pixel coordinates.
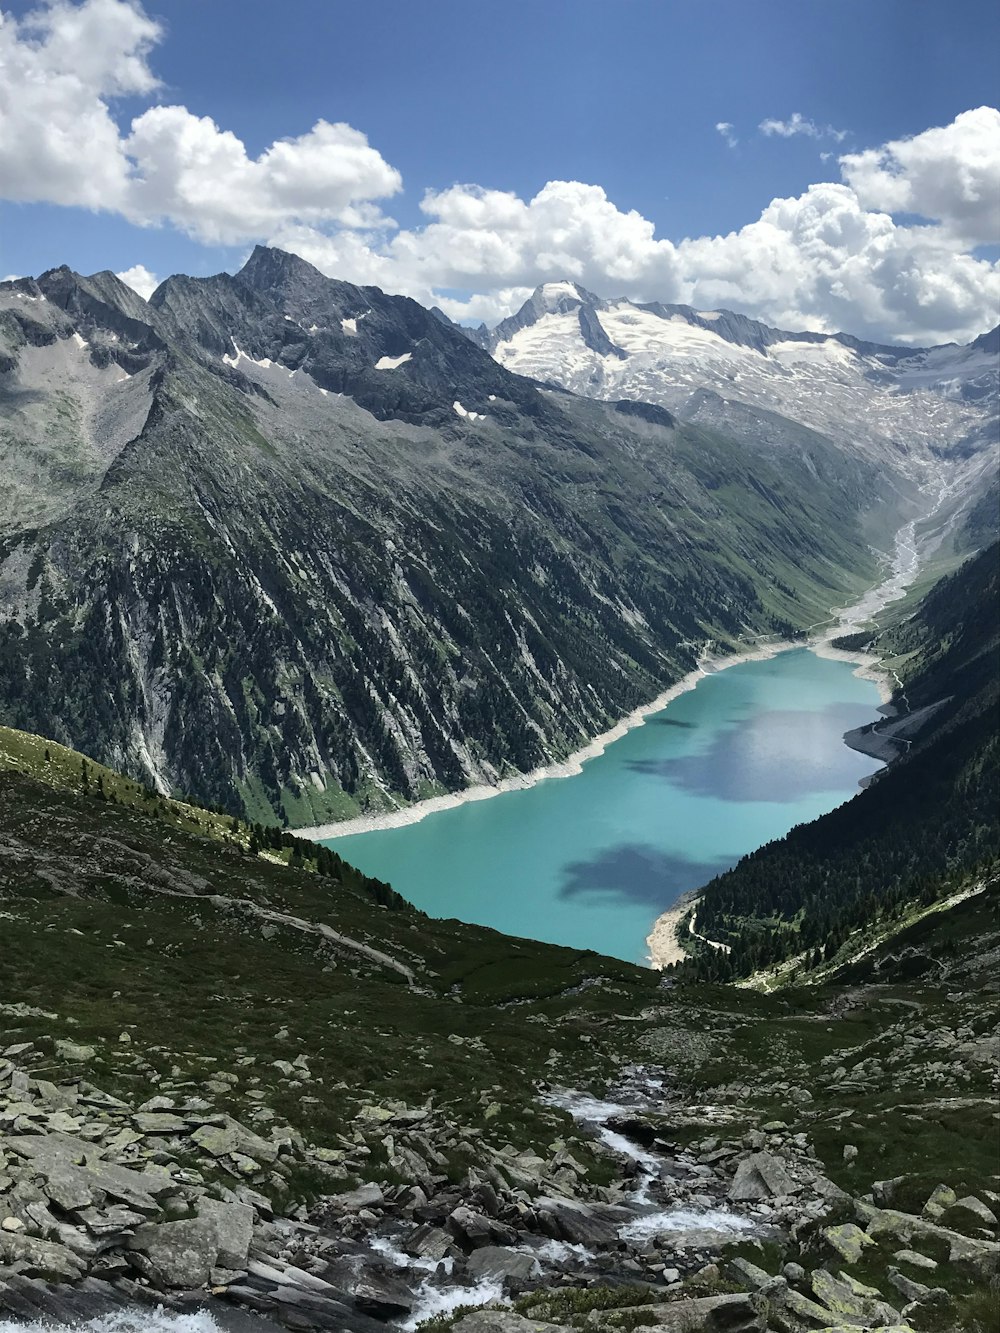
(155, 943)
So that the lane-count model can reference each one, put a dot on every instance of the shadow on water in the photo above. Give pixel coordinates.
(669, 722)
(779, 756)
(638, 873)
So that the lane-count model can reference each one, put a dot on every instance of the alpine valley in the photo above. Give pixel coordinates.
(300, 549)
(278, 551)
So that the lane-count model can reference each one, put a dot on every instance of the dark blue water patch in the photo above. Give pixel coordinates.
(777, 755)
(662, 721)
(638, 873)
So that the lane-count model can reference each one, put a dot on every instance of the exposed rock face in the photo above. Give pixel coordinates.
(297, 545)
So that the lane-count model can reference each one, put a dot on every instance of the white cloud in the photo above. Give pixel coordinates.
(799, 124)
(139, 278)
(950, 174)
(726, 129)
(820, 261)
(836, 256)
(63, 66)
(199, 177)
(59, 67)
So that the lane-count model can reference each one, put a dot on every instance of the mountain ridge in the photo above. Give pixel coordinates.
(299, 548)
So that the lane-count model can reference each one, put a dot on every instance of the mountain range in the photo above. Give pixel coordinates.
(298, 549)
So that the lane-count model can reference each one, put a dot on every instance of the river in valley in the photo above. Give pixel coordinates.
(592, 860)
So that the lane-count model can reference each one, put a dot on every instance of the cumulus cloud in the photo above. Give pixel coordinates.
(799, 124)
(64, 65)
(59, 68)
(820, 260)
(199, 177)
(727, 130)
(887, 252)
(950, 174)
(139, 278)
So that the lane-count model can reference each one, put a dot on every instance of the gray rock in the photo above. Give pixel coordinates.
(182, 1254)
(915, 1260)
(476, 1230)
(383, 1294)
(504, 1264)
(40, 1258)
(78, 1054)
(159, 1122)
(503, 1321)
(755, 1277)
(942, 1197)
(233, 1224)
(973, 1207)
(736, 1313)
(364, 1197)
(429, 1242)
(761, 1176)
(231, 1139)
(907, 1288)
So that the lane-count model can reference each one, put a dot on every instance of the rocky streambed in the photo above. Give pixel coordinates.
(166, 1212)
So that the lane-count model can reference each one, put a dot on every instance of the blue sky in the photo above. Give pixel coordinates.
(623, 97)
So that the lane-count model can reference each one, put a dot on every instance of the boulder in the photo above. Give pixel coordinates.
(382, 1293)
(942, 1197)
(848, 1241)
(493, 1261)
(734, 1313)
(40, 1258)
(231, 1138)
(970, 1207)
(181, 1254)
(71, 1050)
(365, 1196)
(503, 1321)
(428, 1242)
(761, 1176)
(474, 1230)
(233, 1225)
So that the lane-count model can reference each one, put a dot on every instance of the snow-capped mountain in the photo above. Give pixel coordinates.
(709, 364)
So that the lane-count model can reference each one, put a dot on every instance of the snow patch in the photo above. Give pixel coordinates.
(347, 325)
(392, 362)
(554, 292)
(461, 411)
(264, 364)
(80, 342)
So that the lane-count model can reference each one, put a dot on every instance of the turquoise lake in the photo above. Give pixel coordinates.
(592, 860)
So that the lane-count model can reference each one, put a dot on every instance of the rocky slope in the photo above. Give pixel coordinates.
(237, 1101)
(298, 548)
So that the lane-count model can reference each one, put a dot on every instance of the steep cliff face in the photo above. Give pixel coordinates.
(298, 548)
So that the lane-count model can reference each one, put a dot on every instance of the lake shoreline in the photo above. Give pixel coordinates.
(562, 768)
(662, 941)
(708, 665)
